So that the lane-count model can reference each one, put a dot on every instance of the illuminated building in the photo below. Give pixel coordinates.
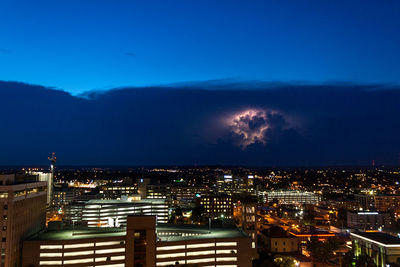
(228, 184)
(140, 244)
(249, 220)
(387, 202)
(188, 192)
(217, 206)
(117, 191)
(304, 236)
(378, 202)
(113, 213)
(369, 220)
(142, 184)
(23, 210)
(292, 197)
(48, 178)
(365, 201)
(384, 249)
(158, 192)
(63, 195)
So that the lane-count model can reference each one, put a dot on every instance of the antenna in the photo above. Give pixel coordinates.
(53, 160)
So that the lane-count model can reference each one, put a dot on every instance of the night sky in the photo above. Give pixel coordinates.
(258, 83)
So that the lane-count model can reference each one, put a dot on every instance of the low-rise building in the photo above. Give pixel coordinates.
(277, 240)
(292, 197)
(382, 248)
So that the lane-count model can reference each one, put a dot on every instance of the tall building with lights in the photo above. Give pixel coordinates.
(23, 213)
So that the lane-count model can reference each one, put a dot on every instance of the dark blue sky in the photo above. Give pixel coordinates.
(85, 45)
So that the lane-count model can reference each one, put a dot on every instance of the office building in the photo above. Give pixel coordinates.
(188, 192)
(217, 206)
(369, 220)
(387, 202)
(140, 244)
(229, 184)
(113, 213)
(384, 249)
(292, 197)
(48, 178)
(23, 213)
(378, 202)
(117, 191)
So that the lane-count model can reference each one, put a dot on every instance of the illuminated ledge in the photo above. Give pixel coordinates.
(310, 235)
(381, 236)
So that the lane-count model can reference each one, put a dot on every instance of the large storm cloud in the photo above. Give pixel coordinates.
(254, 126)
(202, 123)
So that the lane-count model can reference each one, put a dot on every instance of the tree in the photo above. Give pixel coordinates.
(365, 261)
(284, 261)
(322, 251)
(197, 213)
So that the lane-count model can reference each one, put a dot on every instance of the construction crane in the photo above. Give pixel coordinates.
(53, 160)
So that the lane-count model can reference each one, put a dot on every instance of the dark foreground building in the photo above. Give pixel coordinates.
(141, 244)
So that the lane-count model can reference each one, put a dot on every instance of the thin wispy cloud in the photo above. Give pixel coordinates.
(5, 51)
(130, 54)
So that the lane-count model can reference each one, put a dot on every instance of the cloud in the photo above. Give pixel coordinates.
(254, 126)
(129, 54)
(280, 125)
(5, 51)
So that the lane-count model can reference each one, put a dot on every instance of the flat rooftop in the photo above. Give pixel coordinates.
(165, 232)
(79, 233)
(378, 237)
(116, 201)
(173, 232)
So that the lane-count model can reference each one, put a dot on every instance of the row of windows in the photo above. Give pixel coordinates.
(190, 246)
(198, 261)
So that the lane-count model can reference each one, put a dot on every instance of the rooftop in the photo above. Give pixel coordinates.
(79, 233)
(115, 201)
(165, 232)
(174, 232)
(378, 237)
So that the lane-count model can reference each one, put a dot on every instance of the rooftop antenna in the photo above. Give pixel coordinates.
(52, 157)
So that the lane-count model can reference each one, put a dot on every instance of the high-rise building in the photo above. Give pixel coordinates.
(23, 213)
(217, 206)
